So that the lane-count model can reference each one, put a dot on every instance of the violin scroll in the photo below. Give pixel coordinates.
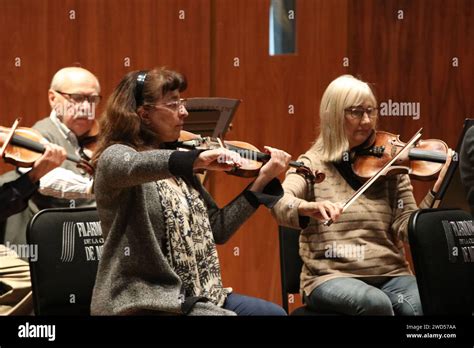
(314, 178)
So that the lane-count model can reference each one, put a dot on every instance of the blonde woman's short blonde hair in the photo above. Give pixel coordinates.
(343, 92)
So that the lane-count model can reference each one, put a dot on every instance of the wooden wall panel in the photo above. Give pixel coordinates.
(22, 60)
(411, 60)
(108, 37)
(268, 86)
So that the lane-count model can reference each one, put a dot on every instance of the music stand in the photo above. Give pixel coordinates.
(452, 192)
(210, 117)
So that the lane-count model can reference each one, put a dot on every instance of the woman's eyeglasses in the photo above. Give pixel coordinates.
(173, 105)
(357, 112)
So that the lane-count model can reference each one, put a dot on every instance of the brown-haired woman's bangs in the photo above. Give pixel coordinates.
(173, 81)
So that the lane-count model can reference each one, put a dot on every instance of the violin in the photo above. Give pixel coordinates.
(88, 141)
(387, 155)
(254, 158)
(23, 146)
(421, 161)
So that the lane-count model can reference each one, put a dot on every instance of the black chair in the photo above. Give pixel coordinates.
(69, 244)
(443, 265)
(2, 232)
(290, 266)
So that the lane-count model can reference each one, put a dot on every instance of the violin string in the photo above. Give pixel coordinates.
(369, 182)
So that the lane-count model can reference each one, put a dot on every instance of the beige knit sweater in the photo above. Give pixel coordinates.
(366, 241)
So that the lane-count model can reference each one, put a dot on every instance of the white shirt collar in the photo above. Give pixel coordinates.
(63, 129)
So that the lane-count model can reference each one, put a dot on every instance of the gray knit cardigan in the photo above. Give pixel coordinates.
(134, 276)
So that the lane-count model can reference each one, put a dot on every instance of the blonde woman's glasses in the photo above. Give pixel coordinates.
(357, 112)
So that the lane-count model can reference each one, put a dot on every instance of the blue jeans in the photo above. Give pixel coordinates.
(245, 305)
(392, 295)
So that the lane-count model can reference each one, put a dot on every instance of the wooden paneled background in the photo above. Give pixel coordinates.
(418, 51)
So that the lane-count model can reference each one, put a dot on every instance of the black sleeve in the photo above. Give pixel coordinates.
(270, 195)
(14, 196)
(181, 163)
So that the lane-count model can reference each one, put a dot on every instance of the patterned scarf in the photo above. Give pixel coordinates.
(191, 250)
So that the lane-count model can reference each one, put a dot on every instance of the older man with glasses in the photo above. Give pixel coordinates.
(73, 95)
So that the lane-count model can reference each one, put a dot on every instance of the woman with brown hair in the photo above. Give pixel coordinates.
(160, 224)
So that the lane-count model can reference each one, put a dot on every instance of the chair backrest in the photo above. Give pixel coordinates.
(442, 247)
(290, 262)
(68, 246)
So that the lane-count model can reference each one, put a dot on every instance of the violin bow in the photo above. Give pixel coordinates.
(377, 175)
(10, 136)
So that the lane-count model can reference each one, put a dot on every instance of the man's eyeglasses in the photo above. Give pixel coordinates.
(173, 105)
(357, 112)
(80, 98)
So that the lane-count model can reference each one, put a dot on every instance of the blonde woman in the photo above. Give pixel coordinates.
(355, 266)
